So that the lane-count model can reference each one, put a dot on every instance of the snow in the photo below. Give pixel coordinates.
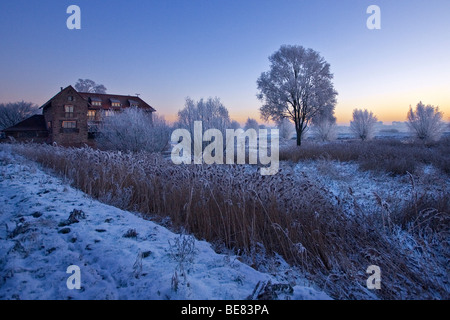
(350, 185)
(38, 244)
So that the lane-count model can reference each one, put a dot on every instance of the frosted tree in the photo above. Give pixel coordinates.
(296, 87)
(134, 130)
(235, 125)
(251, 124)
(87, 85)
(286, 128)
(14, 112)
(325, 129)
(212, 113)
(425, 122)
(363, 124)
(324, 124)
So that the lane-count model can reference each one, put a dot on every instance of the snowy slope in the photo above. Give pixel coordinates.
(38, 244)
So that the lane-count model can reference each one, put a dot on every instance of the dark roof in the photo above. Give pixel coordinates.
(106, 100)
(33, 123)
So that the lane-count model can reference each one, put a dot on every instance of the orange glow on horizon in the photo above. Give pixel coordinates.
(387, 107)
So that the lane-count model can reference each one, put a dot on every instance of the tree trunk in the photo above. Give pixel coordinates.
(299, 137)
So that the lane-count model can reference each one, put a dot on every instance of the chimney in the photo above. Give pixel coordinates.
(62, 88)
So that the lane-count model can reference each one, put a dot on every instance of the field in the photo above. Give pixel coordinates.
(332, 211)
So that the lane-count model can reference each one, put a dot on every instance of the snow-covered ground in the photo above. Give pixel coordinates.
(352, 185)
(38, 243)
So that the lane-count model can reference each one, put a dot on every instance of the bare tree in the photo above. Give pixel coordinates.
(296, 87)
(426, 122)
(251, 124)
(87, 85)
(134, 130)
(212, 113)
(363, 124)
(14, 112)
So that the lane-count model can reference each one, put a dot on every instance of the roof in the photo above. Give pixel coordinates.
(33, 123)
(107, 99)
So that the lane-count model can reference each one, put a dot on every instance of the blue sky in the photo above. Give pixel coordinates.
(166, 50)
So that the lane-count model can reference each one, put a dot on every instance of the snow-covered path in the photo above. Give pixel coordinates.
(38, 244)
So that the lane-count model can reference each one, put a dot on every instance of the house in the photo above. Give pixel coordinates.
(72, 118)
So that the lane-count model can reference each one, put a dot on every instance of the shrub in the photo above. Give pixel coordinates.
(362, 124)
(134, 130)
(425, 122)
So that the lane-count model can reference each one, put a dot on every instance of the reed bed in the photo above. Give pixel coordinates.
(234, 207)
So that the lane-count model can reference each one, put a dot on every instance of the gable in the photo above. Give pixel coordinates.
(68, 91)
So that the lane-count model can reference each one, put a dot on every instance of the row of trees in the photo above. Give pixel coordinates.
(299, 87)
(425, 122)
(297, 93)
(14, 112)
(130, 130)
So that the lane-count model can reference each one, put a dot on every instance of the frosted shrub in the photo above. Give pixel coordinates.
(134, 130)
(363, 124)
(425, 122)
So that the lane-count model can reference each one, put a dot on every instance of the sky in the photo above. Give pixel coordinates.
(167, 50)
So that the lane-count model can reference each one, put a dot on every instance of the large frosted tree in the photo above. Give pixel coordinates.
(297, 86)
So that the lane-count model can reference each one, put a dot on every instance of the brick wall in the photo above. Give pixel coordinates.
(56, 115)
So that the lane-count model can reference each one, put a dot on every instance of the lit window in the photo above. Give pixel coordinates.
(69, 111)
(115, 103)
(91, 115)
(109, 113)
(69, 124)
(97, 102)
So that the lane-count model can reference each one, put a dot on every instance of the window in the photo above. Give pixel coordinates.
(69, 111)
(70, 98)
(69, 124)
(133, 103)
(109, 113)
(96, 102)
(91, 115)
(115, 103)
(49, 124)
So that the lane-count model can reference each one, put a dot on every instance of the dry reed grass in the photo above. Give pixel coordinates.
(392, 156)
(286, 214)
